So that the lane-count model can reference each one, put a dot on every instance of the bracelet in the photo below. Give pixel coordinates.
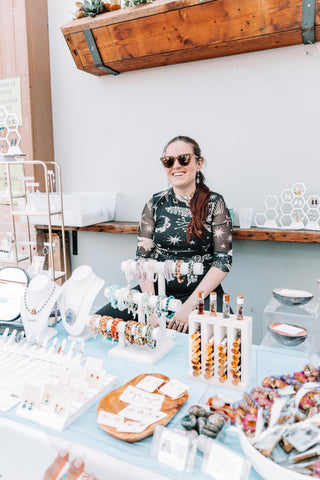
(191, 277)
(93, 325)
(128, 298)
(112, 296)
(114, 333)
(145, 302)
(138, 339)
(122, 305)
(169, 315)
(152, 276)
(167, 268)
(158, 308)
(128, 331)
(103, 325)
(177, 271)
(140, 273)
(128, 272)
(149, 340)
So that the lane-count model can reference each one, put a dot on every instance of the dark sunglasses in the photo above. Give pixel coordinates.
(183, 159)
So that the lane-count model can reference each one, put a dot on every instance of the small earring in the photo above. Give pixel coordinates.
(198, 178)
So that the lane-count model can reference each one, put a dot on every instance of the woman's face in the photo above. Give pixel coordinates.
(182, 178)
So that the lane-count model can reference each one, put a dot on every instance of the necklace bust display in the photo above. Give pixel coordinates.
(78, 296)
(38, 301)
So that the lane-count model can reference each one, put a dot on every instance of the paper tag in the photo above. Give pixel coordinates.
(150, 383)
(289, 329)
(132, 427)
(221, 463)
(109, 419)
(135, 396)
(174, 389)
(143, 415)
(173, 449)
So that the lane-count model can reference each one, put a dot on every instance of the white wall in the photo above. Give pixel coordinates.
(254, 115)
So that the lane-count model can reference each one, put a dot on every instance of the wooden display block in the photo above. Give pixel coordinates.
(167, 32)
(217, 328)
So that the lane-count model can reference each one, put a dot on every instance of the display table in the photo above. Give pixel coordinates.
(106, 456)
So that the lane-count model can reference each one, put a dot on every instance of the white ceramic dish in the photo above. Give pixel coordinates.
(263, 465)
(290, 297)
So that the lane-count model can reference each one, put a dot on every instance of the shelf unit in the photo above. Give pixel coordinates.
(167, 32)
(47, 211)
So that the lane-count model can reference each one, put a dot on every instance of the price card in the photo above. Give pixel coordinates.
(221, 463)
(171, 448)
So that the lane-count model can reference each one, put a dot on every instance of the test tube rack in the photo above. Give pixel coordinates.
(216, 328)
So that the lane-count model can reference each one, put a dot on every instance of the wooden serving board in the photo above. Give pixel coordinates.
(112, 404)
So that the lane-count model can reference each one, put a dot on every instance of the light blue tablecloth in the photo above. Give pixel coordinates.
(86, 431)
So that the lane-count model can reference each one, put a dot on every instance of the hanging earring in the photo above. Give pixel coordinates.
(198, 178)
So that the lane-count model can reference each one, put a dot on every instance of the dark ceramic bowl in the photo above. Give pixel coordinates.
(290, 297)
(289, 335)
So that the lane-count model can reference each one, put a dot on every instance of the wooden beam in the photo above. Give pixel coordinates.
(24, 53)
(260, 234)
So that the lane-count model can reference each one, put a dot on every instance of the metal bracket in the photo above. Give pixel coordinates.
(74, 242)
(308, 21)
(95, 53)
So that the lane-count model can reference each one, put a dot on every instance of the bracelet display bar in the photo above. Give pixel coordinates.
(220, 334)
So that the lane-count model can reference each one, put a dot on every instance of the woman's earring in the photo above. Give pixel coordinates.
(198, 178)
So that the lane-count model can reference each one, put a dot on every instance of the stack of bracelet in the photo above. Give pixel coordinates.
(235, 369)
(209, 358)
(140, 273)
(125, 300)
(222, 368)
(135, 332)
(196, 352)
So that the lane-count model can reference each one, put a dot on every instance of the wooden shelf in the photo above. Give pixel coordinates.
(167, 32)
(260, 234)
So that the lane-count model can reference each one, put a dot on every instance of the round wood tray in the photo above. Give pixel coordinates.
(112, 404)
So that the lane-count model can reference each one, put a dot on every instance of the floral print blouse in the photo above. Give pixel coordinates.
(162, 232)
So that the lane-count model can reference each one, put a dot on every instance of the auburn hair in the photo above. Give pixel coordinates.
(199, 203)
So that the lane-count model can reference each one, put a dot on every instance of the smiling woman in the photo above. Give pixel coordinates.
(185, 223)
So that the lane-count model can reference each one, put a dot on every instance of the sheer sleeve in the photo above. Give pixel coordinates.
(146, 244)
(222, 236)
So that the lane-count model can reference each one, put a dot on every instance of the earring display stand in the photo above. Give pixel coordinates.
(52, 385)
(220, 350)
(79, 293)
(163, 338)
(37, 303)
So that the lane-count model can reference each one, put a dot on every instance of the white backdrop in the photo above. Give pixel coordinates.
(254, 115)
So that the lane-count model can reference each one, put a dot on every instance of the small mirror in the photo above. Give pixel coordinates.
(13, 282)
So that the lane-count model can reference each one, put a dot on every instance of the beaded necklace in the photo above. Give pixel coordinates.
(33, 311)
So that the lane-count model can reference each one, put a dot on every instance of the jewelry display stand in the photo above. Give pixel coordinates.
(212, 344)
(23, 203)
(163, 338)
(158, 269)
(52, 385)
(78, 295)
(38, 301)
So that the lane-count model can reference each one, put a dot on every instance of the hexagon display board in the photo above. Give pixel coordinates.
(291, 211)
(9, 133)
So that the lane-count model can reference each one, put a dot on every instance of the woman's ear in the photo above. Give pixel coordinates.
(200, 162)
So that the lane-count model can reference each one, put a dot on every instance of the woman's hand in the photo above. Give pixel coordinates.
(74, 471)
(153, 319)
(180, 320)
